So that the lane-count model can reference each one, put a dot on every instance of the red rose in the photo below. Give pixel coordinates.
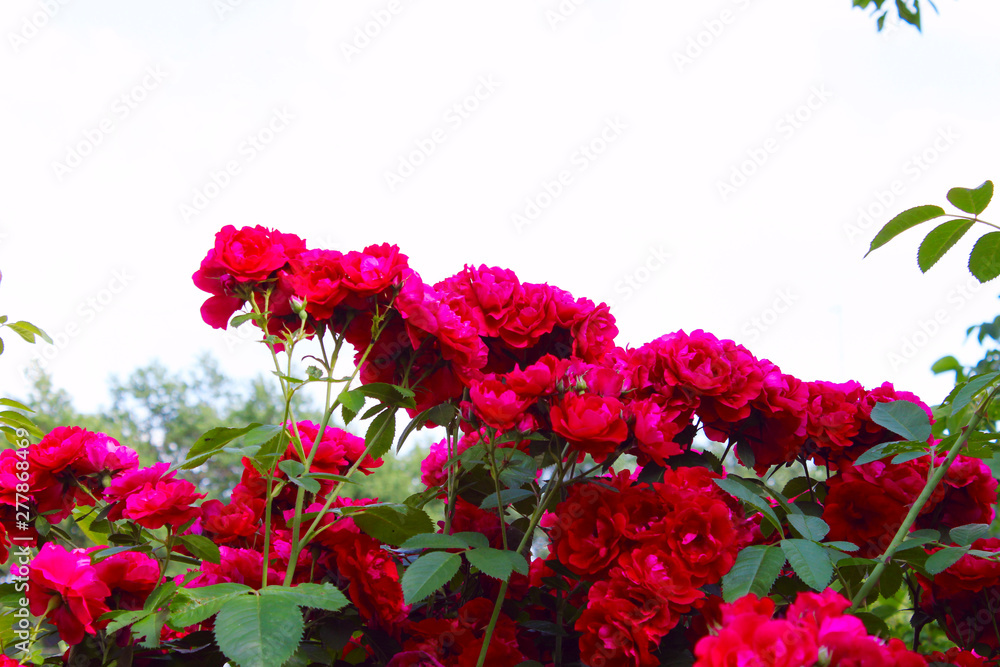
(533, 315)
(166, 501)
(592, 423)
(775, 430)
(373, 270)
(497, 404)
(70, 579)
(239, 566)
(238, 261)
(611, 633)
(318, 276)
(253, 253)
(657, 423)
(374, 582)
(861, 513)
(833, 413)
(61, 447)
(489, 293)
(226, 523)
(129, 574)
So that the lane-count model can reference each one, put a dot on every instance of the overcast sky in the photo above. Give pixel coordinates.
(700, 165)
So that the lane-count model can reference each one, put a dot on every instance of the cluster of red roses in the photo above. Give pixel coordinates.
(631, 562)
(814, 627)
(650, 551)
(966, 597)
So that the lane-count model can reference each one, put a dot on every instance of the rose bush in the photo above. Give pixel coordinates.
(586, 519)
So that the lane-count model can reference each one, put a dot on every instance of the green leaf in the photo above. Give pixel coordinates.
(910, 16)
(905, 220)
(474, 540)
(210, 443)
(148, 629)
(390, 394)
(940, 561)
(731, 486)
(874, 625)
(891, 580)
(85, 518)
(440, 414)
(903, 418)
(291, 467)
(940, 240)
(429, 573)
(946, 364)
(984, 262)
(11, 403)
(972, 201)
(491, 562)
(518, 562)
(352, 400)
(28, 331)
(754, 571)
(194, 605)
(271, 440)
(124, 618)
(17, 420)
(393, 524)
(907, 456)
(970, 389)
(507, 497)
(435, 541)
(810, 561)
(306, 482)
(201, 547)
(380, 434)
(316, 596)
(809, 527)
(240, 319)
(347, 414)
(886, 449)
(964, 536)
(98, 556)
(259, 630)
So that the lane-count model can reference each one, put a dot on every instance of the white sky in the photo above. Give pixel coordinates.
(200, 77)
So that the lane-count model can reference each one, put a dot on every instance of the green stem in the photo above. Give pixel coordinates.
(919, 503)
(525, 541)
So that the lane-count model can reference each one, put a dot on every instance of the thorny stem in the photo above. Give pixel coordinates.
(921, 500)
